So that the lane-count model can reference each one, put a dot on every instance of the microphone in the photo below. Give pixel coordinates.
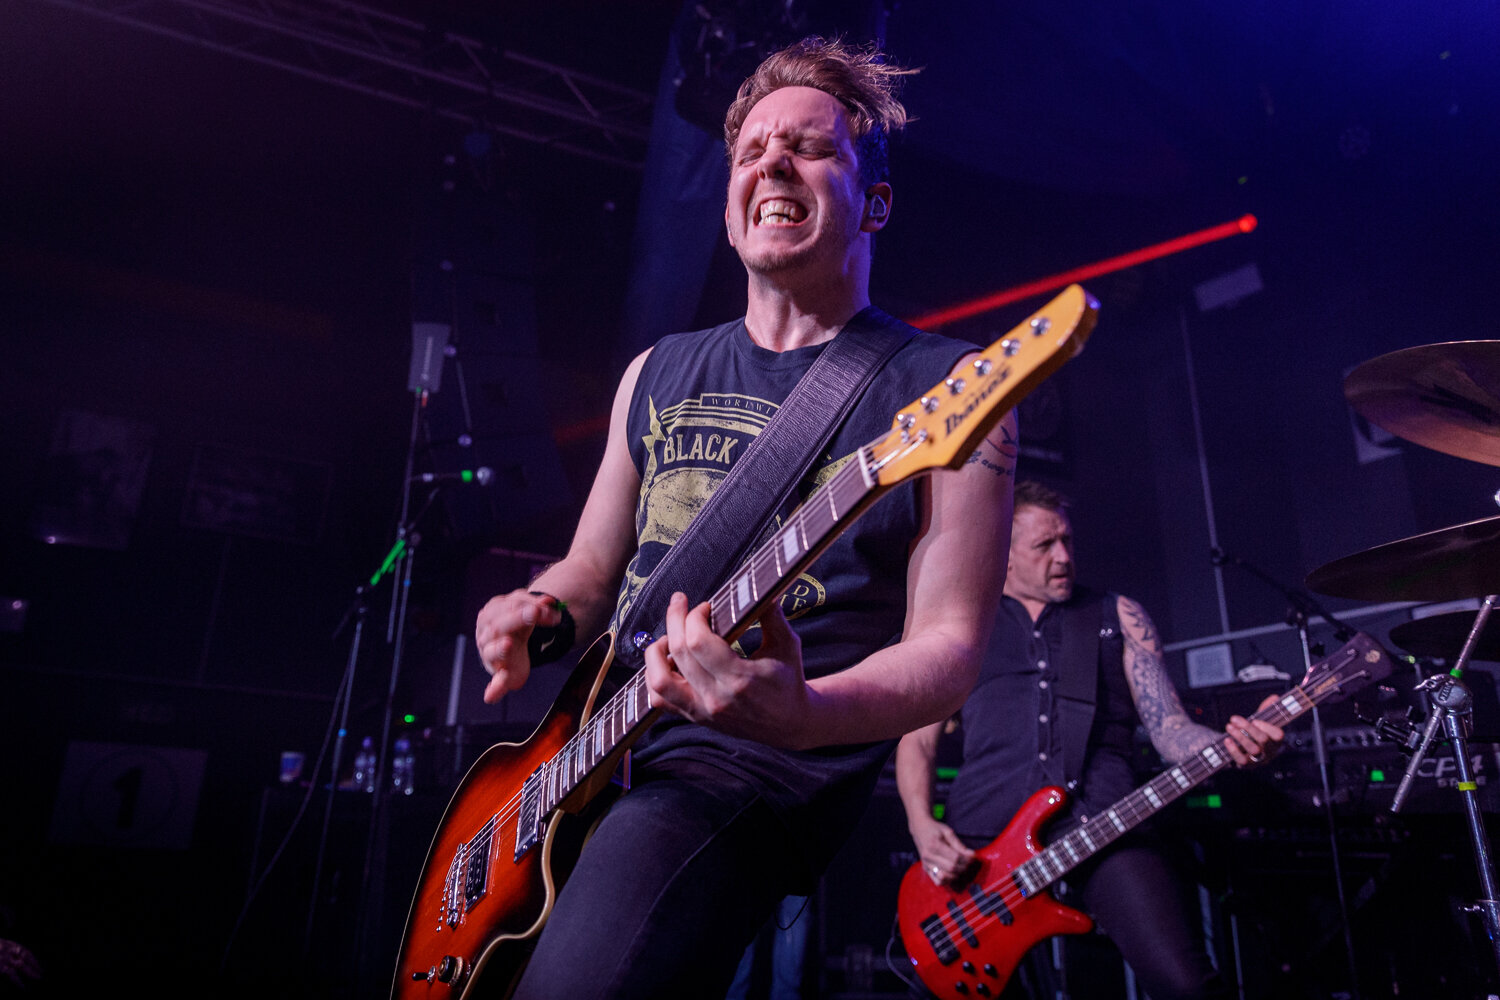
(481, 475)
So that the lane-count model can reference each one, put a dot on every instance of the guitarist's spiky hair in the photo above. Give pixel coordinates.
(858, 76)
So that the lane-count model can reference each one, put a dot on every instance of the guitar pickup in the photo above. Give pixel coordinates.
(992, 903)
(529, 817)
(942, 942)
(476, 873)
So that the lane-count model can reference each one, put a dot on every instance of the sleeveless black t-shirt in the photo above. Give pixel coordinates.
(700, 400)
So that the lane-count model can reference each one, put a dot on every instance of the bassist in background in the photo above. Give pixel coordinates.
(1069, 674)
(767, 753)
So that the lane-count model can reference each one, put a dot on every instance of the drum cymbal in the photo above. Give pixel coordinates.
(1443, 396)
(1443, 636)
(1445, 565)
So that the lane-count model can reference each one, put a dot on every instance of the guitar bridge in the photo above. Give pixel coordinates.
(529, 817)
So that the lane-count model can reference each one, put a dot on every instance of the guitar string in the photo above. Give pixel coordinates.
(628, 695)
(969, 908)
(874, 464)
(834, 489)
(1130, 807)
(868, 463)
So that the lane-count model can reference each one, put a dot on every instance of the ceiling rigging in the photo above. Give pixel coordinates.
(408, 63)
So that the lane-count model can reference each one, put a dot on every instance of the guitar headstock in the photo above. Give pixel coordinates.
(1359, 662)
(941, 429)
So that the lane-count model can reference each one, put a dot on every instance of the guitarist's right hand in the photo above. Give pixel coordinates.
(945, 858)
(500, 635)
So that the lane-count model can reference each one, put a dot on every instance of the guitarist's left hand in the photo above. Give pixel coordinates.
(693, 672)
(1252, 742)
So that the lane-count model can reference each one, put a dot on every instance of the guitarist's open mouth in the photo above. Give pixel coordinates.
(779, 212)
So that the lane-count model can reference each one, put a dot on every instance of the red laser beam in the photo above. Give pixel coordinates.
(974, 307)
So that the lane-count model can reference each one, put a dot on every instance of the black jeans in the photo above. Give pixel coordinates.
(1140, 902)
(670, 889)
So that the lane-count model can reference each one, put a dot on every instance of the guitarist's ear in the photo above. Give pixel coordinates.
(877, 207)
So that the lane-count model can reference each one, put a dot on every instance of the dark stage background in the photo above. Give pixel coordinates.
(220, 223)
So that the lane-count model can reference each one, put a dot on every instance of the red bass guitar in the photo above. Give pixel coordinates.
(965, 942)
(513, 829)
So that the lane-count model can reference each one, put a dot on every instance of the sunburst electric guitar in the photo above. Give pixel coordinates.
(513, 829)
(965, 942)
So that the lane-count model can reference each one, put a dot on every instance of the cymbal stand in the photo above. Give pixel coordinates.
(1451, 705)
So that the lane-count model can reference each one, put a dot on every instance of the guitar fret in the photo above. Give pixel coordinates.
(1180, 778)
(867, 466)
(1151, 796)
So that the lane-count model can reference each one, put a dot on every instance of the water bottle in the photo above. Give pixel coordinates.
(364, 765)
(403, 766)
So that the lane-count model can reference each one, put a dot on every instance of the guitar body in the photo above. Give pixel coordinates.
(963, 941)
(492, 935)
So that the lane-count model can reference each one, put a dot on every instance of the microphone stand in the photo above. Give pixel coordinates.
(398, 564)
(1301, 607)
(357, 611)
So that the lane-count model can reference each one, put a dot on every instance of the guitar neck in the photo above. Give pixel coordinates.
(736, 606)
(1071, 850)
(938, 430)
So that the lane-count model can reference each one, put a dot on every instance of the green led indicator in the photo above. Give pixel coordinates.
(1376, 774)
(408, 718)
(467, 475)
(938, 809)
(947, 773)
(1210, 801)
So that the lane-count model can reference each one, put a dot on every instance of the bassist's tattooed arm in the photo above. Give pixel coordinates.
(1175, 736)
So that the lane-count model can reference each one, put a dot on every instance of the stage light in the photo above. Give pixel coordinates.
(952, 314)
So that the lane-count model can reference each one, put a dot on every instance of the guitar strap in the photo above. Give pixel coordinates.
(717, 541)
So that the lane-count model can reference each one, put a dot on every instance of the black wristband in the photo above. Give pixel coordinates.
(551, 642)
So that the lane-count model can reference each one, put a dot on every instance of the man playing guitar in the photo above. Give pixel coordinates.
(1068, 675)
(769, 748)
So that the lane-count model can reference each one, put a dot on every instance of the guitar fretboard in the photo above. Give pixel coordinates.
(772, 567)
(1071, 850)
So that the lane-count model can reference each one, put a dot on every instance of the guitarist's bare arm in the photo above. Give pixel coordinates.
(954, 578)
(587, 578)
(944, 857)
(1175, 736)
